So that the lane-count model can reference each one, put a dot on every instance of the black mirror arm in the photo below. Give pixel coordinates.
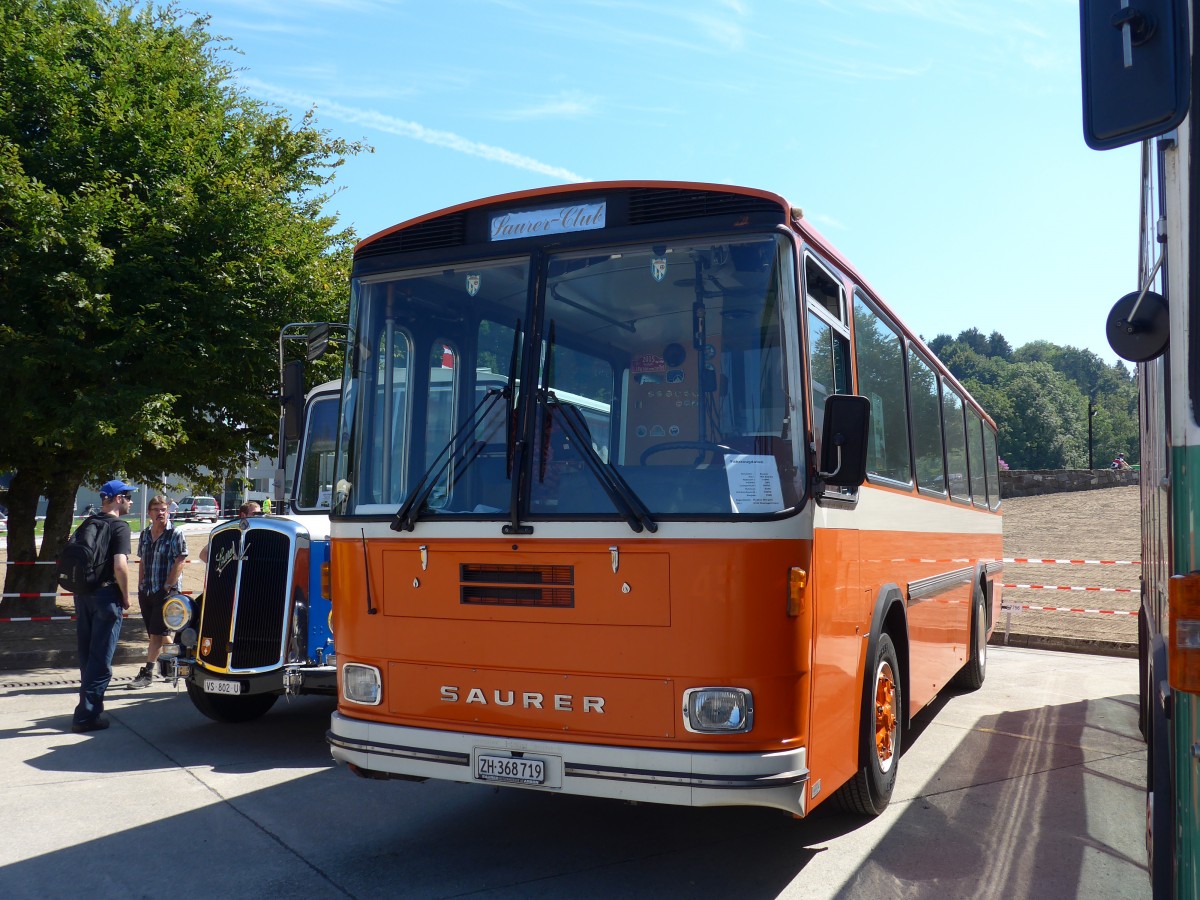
(838, 440)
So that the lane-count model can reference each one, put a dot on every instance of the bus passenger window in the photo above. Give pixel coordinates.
(956, 444)
(975, 457)
(879, 353)
(991, 461)
(926, 424)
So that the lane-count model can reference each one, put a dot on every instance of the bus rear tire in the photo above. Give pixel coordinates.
(229, 708)
(970, 676)
(870, 790)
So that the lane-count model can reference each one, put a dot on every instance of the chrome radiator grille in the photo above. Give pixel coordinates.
(244, 618)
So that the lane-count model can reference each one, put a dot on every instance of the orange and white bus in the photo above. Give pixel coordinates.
(706, 524)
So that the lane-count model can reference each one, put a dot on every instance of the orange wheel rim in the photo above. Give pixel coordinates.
(885, 716)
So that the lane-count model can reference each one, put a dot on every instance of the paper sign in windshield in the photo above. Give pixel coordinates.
(754, 485)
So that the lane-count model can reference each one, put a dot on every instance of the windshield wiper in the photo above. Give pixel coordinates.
(619, 492)
(406, 516)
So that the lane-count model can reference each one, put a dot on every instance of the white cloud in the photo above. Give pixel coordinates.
(565, 105)
(414, 130)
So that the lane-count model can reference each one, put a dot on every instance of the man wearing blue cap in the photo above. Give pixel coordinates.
(99, 612)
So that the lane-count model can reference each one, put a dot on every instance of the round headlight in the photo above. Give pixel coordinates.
(177, 612)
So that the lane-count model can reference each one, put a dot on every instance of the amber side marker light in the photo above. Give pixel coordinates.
(797, 580)
(325, 580)
(1183, 662)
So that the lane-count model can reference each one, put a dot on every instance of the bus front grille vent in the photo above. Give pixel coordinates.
(514, 585)
(661, 205)
(244, 617)
(444, 231)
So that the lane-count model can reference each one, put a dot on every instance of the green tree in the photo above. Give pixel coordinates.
(157, 227)
(1043, 427)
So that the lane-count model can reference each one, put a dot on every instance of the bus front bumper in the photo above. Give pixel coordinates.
(681, 778)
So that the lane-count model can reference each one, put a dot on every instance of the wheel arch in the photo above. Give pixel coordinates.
(890, 617)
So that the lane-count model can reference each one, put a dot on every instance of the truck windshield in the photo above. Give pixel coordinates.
(660, 385)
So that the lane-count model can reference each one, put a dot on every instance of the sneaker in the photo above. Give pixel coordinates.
(97, 724)
(143, 678)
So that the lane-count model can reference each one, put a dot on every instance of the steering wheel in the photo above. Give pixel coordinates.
(704, 446)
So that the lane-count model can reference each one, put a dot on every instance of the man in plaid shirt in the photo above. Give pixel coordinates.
(162, 550)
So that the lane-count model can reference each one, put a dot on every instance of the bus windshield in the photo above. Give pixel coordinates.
(654, 377)
(314, 480)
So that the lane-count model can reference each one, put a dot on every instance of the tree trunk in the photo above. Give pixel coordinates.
(22, 576)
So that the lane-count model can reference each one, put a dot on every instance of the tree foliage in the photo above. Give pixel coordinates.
(1042, 395)
(157, 227)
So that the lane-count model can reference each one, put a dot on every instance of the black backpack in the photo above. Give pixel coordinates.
(81, 566)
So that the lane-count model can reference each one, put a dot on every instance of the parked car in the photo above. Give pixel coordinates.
(197, 509)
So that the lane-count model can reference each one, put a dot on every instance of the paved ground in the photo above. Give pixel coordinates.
(1028, 789)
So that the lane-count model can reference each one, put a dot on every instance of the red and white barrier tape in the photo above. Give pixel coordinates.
(62, 594)
(1072, 562)
(1074, 609)
(57, 618)
(50, 562)
(1068, 587)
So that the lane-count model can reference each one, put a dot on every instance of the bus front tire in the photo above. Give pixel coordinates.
(229, 708)
(870, 790)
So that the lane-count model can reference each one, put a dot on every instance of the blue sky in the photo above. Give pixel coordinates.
(936, 143)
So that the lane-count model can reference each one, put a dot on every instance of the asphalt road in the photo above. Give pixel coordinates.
(1028, 788)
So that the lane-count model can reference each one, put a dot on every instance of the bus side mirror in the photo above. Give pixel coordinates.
(317, 341)
(292, 399)
(1136, 69)
(844, 435)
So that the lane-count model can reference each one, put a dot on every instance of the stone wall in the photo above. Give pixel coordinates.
(1028, 482)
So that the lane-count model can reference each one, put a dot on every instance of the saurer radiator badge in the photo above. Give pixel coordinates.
(526, 700)
(225, 557)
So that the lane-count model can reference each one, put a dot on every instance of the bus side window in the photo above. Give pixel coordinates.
(926, 424)
(956, 444)
(879, 355)
(975, 456)
(992, 462)
(828, 340)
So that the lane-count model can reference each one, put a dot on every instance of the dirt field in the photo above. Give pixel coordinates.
(1099, 524)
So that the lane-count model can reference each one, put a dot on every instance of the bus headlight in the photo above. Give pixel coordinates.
(361, 684)
(177, 612)
(718, 710)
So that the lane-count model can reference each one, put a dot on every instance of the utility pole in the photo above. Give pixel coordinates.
(1091, 415)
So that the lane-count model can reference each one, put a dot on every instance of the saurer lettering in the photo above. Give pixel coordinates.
(525, 700)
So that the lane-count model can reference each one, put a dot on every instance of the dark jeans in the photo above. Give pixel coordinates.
(96, 631)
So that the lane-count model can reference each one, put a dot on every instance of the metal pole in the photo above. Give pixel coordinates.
(1090, 415)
